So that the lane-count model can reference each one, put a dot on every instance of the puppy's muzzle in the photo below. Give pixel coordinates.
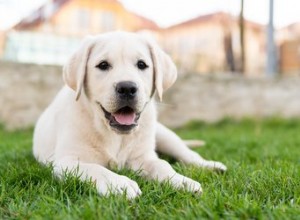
(125, 116)
(124, 120)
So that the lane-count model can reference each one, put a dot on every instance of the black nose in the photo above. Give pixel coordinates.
(126, 89)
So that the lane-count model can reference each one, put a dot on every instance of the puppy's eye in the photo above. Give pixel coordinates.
(104, 65)
(142, 65)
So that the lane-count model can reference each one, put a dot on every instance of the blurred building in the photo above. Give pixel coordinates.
(289, 50)
(204, 44)
(50, 34)
(2, 42)
(211, 43)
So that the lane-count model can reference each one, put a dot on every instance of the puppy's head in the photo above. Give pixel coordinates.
(117, 73)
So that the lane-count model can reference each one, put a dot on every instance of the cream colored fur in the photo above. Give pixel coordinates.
(74, 135)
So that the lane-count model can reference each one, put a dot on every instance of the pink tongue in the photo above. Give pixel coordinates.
(125, 119)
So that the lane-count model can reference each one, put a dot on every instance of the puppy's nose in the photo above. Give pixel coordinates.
(126, 89)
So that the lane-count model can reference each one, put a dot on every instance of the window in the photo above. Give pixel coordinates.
(107, 21)
(83, 18)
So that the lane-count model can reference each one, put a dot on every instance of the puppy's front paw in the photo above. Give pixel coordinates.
(119, 185)
(182, 182)
(218, 166)
(195, 159)
(214, 165)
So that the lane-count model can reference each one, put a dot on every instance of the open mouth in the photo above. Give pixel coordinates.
(124, 119)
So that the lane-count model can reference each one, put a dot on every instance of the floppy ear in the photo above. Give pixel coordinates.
(165, 72)
(74, 71)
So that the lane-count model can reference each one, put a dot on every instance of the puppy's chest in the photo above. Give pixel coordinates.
(119, 151)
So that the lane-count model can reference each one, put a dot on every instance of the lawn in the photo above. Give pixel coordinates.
(262, 181)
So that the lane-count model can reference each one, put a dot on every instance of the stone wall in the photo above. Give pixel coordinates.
(212, 98)
(25, 90)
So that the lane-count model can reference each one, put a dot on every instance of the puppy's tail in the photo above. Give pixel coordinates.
(194, 143)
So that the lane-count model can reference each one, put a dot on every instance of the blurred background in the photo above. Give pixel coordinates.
(236, 58)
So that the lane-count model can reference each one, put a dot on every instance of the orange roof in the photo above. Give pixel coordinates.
(147, 23)
(292, 27)
(217, 16)
(38, 16)
(201, 19)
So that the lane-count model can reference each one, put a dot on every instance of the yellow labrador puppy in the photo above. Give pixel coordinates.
(105, 117)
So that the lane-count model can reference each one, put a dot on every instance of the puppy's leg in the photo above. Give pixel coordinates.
(106, 181)
(169, 143)
(152, 167)
(194, 143)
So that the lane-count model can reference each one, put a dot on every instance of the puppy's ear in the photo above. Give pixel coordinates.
(165, 72)
(74, 71)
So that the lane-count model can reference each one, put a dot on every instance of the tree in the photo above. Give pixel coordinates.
(242, 38)
(228, 49)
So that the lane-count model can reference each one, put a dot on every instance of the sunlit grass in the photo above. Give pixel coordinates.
(262, 182)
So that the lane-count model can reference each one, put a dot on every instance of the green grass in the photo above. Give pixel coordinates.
(262, 182)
